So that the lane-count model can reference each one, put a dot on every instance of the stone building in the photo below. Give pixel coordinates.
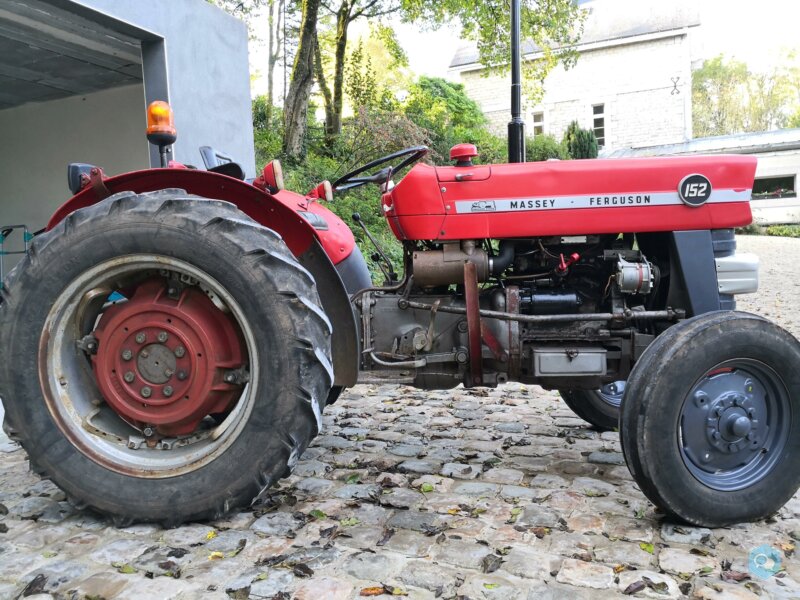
(631, 84)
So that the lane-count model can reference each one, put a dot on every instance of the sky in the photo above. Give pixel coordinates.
(756, 33)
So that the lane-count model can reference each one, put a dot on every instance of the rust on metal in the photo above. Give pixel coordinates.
(473, 322)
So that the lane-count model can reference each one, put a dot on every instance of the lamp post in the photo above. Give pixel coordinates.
(516, 128)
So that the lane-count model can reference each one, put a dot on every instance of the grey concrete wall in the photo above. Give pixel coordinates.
(39, 140)
(208, 72)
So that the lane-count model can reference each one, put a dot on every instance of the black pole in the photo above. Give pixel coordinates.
(516, 128)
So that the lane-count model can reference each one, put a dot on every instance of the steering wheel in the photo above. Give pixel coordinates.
(354, 179)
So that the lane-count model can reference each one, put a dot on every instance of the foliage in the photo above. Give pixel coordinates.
(544, 147)
(792, 231)
(579, 142)
(728, 98)
(361, 83)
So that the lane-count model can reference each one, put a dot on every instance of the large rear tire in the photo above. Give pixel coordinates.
(710, 420)
(210, 398)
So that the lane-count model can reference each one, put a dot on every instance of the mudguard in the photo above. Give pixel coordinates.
(321, 247)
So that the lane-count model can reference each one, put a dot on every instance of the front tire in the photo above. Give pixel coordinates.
(213, 394)
(710, 420)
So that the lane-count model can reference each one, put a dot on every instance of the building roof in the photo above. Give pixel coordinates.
(611, 20)
(742, 143)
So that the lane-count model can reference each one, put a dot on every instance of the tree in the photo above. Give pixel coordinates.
(550, 28)
(295, 108)
(345, 13)
(580, 143)
(728, 98)
(544, 147)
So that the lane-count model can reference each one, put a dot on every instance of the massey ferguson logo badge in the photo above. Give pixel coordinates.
(483, 206)
(694, 190)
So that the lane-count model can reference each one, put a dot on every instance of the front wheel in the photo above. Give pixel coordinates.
(163, 358)
(710, 420)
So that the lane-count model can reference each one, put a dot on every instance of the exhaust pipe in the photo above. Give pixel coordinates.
(516, 128)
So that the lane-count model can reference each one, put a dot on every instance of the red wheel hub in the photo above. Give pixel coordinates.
(163, 360)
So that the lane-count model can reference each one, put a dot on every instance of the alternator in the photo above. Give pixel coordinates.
(634, 277)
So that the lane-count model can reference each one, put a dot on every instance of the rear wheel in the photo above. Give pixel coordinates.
(163, 358)
(599, 407)
(710, 421)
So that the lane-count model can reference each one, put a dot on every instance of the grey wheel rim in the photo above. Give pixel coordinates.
(611, 393)
(734, 425)
(71, 394)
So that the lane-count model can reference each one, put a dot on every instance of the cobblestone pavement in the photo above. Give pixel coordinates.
(473, 494)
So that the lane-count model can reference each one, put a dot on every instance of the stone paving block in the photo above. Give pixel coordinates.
(501, 475)
(461, 471)
(461, 553)
(585, 574)
(627, 578)
(443, 581)
(677, 561)
(476, 488)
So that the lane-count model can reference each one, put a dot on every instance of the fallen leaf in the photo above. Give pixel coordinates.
(699, 552)
(216, 556)
(636, 586)
(372, 591)
(49, 554)
(734, 576)
(426, 487)
(387, 535)
(354, 478)
(649, 548)
(491, 586)
(35, 586)
(123, 568)
(349, 522)
(706, 570)
(540, 532)
(317, 514)
(619, 568)
(491, 563)
(211, 535)
(394, 591)
(660, 588)
(302, 570)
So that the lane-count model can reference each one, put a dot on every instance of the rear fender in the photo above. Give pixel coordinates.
(317, 251)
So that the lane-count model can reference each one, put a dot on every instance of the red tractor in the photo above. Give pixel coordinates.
(172, 339)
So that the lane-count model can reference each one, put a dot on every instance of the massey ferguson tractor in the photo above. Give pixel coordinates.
(170, 342)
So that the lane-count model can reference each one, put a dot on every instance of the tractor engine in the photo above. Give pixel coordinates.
(556, 310)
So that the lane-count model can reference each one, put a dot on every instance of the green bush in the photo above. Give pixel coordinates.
(544, 147)
(792, 231)
(580, 143)
(751, 229)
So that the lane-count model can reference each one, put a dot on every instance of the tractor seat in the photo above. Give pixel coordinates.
(219, 162)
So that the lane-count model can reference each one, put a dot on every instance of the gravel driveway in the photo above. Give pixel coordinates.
(472, 494)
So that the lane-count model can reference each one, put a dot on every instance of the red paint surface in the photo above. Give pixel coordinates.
(422, 206)
(278, 212)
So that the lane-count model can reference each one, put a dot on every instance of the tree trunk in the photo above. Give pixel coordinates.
(275, 39)
(296, 105)
(326, 92)
(343, 19)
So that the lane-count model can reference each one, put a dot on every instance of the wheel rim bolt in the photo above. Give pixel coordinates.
(168, 391)
(168, 372)
(751, 436)
(144, 354)
(162, 337)
(716, 435)
(706, 457)
(141, 338)
(180, 351)
(146, 392)
(230, 377)
(182, 375)
(148, 431)
(129, 376)
(700, 398)
(127, 355)
(733, 447)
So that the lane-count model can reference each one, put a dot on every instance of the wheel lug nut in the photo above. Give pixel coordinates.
(706, 457)
(168, 372)
(144, 354)
(733, 447)
(180, 351)
(716, 435)
(168, 391)
(162, 336)
(129, 376)
(127, 355)
(182, 375)
(146, 392)
(141, 338)
(148, 431)
(700, 398)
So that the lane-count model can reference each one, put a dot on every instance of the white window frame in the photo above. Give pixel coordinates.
(600, 115)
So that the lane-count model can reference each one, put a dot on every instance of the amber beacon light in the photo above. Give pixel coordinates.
(161, 130)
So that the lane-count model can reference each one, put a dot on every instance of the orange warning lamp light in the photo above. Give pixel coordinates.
(161, 130)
